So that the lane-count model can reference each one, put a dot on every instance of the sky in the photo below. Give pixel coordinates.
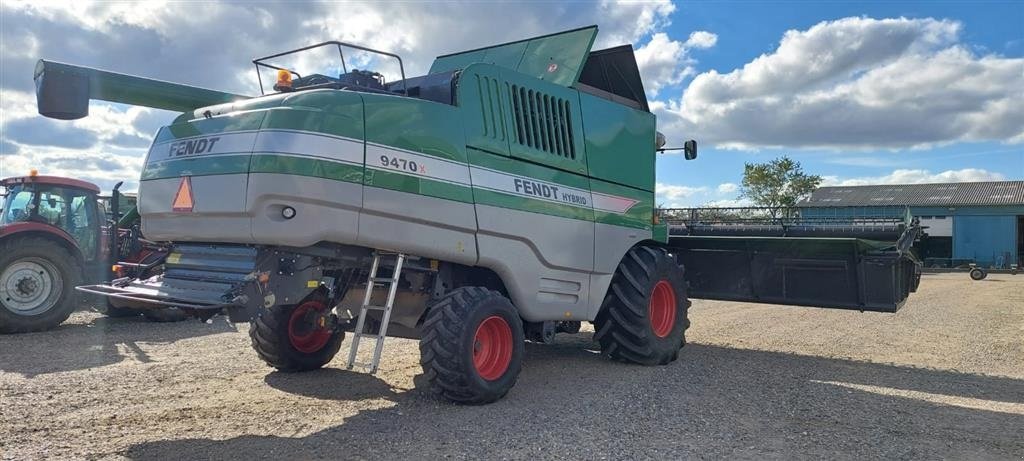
(865, 92)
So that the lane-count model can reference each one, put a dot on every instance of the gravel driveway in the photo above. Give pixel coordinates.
(943, 378)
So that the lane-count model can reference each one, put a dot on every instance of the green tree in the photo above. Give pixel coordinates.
(777, 184)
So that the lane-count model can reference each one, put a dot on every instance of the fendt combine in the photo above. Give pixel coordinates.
(506, 196)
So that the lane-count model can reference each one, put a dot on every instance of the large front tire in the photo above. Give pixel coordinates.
(37, 284)
(472, 346)
(296, 337)
(644, 315)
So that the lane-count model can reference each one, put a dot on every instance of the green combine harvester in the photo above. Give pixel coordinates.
(507, 195)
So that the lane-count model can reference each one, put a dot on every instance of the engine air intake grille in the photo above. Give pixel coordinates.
(543, 122)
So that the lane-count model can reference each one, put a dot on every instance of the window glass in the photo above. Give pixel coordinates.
(18, 206)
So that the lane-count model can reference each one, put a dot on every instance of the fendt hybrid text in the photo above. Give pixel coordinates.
(508, 195)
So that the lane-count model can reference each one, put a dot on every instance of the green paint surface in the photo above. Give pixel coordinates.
(269, 163)
(556, 58)
(234, 122)
(198, 166)
(420, 186)
(638, 216)
(619, 142)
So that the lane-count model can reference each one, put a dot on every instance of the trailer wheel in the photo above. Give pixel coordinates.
(644, 315)
(296, 337)
(472, 346)
(37, 284)
(978, 274)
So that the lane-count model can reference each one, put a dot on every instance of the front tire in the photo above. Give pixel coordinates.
(643, 318)
(472, 346)
(37, 284)
(295, 338)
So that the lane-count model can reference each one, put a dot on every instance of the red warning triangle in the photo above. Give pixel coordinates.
(183, 199)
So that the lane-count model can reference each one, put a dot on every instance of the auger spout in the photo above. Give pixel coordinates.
(63, 91)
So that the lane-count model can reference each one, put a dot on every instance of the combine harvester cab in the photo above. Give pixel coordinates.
(506, 195)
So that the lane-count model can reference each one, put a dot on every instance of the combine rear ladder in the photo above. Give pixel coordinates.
(359, 333)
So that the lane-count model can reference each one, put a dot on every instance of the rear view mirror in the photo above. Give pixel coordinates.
(690, 149)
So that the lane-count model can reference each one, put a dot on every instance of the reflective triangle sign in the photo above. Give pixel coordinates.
(183, 198)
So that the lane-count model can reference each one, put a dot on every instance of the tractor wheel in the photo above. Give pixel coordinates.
(37, 285)
(978, 274)
(644, 315)
(472, 346)
(296, 337)
(165, 315)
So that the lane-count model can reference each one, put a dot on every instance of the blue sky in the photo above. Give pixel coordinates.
(858, 92)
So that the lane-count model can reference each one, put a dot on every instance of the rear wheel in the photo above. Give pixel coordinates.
(472, 346)
(978, 274)
(644, 316)
(296, 337)
(37, 284)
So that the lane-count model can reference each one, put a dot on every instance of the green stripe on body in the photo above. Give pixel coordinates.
(638, 216)
(305, 166)
(418, 185)
(199, 166)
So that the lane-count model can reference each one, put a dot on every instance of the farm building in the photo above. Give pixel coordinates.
(980, 222)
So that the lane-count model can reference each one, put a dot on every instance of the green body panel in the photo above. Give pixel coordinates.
(416, 125)
(236, 122)
(528, 171)
(639, 215)
(420, 186)
(542, 142)
(200, 166)
(484, 105)
(269, 163)
(659, 233)
(556, 58)
(338, 113)
(619, 142)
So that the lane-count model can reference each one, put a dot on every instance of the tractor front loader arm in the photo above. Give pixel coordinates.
(63, 91)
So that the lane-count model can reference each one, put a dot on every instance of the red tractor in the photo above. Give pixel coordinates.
(54, 236)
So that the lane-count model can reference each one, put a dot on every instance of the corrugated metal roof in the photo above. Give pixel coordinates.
(943, 194)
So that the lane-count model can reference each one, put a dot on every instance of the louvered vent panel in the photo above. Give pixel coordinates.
(543, 122)
(491, 111)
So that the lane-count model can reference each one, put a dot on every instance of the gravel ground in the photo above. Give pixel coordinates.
(943, 378)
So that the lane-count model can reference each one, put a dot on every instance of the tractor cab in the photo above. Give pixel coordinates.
(63, 206)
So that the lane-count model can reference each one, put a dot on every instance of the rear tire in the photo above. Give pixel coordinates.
(38, 279)
(644, 315)
(291, 339)
(978, 274)
(472, 346)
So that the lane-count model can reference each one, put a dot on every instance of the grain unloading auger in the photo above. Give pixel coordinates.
(506, 195)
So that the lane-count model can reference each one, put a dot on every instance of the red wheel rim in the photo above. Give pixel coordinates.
(662, 308)
(307, 327)
(492, 348)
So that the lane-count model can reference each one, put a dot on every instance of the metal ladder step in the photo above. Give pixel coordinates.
(359, 334)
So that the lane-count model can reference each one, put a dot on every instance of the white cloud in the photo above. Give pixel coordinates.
(212, 48)
(857, 83)
(701, 39)
(908, 176)
(676, 196)
(728, 188)
(663, 61)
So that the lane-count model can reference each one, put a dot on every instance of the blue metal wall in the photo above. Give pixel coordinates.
(986, 234)
(989, 240)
